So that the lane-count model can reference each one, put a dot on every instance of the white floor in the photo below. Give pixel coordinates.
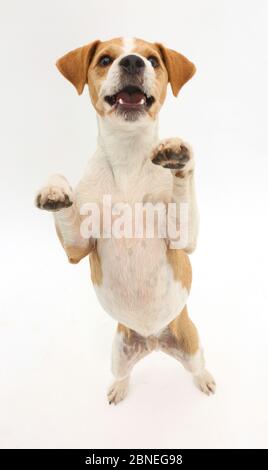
(55, 340)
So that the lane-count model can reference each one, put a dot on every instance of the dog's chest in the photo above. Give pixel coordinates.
(150, 183)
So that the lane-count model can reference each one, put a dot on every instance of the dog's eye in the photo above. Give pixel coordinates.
(105, 60)
(154, 61)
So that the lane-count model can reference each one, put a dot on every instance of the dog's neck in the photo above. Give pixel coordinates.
(127, 146)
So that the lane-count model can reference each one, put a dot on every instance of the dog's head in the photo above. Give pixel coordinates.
(127, 79)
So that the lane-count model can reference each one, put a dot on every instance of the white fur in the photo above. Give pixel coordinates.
(128, 45)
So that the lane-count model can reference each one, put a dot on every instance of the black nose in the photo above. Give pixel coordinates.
(132, 64)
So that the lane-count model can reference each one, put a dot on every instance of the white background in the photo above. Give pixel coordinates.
(55, 339)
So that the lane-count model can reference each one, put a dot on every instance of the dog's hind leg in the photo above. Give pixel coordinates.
(180, 340)
(128, 348)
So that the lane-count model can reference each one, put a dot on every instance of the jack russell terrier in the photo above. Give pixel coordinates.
(141, 281)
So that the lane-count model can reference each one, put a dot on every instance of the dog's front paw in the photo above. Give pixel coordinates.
(56, 195)
(175, 155)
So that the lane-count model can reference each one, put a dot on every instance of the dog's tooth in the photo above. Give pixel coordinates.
(142, 101)
(121, 101)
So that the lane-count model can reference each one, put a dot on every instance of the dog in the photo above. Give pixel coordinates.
(142, 282)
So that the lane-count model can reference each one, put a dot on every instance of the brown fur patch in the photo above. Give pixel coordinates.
(182, 174)
(74, 65)
(95, 267)
(80, 66)
(147, 49)
(181, 267)
(97, 74)
(113, 48)
(76, 253)
(124, 330)
(185, 332)
(179, 68)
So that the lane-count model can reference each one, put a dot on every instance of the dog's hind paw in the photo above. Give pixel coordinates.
(205, 382)
(118, 391)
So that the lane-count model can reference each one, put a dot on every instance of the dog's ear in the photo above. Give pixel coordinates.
(74, 65)
(179, 68)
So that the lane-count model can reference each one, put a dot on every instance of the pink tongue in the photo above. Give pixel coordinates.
(133, 98)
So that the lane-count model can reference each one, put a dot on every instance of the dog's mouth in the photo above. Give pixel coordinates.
(130, 98)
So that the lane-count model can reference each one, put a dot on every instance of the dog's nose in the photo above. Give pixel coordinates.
(132, 64)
